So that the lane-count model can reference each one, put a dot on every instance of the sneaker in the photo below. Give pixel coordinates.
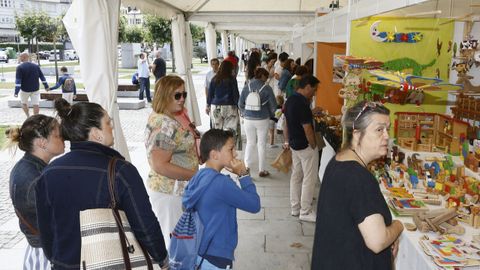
(310, 217)
(273, 146)
(295, 213)
(263, 174)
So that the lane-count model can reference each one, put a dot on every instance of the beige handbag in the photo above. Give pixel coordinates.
(107, 241)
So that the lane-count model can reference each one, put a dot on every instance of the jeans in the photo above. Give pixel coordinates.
(206, 265)
(144, 87)
(256, 133)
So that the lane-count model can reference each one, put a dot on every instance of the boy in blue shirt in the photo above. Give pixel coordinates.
(216, 197)
(69, 90)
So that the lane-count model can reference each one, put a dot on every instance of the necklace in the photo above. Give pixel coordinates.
(359, 157)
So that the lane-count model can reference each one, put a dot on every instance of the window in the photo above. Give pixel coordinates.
(138, 21)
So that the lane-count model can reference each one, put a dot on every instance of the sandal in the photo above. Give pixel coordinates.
(263, 174)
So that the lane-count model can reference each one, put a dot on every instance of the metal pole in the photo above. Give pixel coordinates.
(3, 77)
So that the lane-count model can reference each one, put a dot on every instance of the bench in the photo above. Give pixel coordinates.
(129, 90)
(128, 87)
(53, 96)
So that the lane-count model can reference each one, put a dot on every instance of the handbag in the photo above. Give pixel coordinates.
(283, 162)
(107, 240)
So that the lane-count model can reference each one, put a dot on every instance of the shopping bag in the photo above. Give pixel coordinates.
(283, 162)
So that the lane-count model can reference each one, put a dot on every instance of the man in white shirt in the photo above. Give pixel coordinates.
(278, 71)
(215, 64)
(144, 77)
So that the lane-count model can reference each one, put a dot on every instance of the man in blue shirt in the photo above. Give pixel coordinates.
(300, 137)
(26, 83)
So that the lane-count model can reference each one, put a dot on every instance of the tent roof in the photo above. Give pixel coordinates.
(259, 21)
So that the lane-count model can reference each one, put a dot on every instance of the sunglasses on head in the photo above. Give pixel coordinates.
(179, 95)
(367, 105)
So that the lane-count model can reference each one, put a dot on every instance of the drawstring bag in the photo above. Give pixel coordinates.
(107, 238)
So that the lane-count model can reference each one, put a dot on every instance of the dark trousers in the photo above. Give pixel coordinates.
(144, 87)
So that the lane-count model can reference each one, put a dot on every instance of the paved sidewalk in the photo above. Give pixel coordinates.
(271, 239)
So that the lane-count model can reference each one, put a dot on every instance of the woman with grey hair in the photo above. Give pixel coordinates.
(354, 227)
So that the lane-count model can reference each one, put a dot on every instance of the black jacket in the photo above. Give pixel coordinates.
(78, 181)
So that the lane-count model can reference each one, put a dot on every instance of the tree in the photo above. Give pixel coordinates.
(26, 25)
(159, 30)
(122, 29)
(198, 33)
(134, 34)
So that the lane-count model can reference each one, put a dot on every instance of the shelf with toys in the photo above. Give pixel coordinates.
(437, 199)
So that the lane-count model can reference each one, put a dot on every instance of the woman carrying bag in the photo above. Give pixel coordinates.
(257, 118)
(79, 181)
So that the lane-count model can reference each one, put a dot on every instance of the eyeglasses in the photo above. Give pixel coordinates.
(367, 105)
(179, 95)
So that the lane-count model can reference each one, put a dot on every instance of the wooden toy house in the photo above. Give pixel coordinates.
(428, 132)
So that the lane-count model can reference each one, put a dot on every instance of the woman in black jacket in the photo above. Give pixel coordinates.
(40, 138)
(78, 181)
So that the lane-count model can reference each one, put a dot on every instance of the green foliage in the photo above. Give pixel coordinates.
(199, 52)
(159, 30)
(40, 26)
(198, 33)
(122, 29)
(134, 34)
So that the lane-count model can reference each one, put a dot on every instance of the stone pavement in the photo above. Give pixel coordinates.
(270, 239)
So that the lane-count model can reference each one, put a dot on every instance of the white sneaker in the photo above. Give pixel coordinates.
(310, 217)
(295, 213)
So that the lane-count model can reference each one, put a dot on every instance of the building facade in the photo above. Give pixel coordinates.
(10, 8)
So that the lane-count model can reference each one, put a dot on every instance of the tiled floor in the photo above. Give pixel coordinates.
(270, 239)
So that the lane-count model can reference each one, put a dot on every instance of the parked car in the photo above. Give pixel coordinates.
(3, 56)
(54, 55)
(70, 55)
(44, 55)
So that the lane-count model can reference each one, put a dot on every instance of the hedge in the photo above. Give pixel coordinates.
(41, 46)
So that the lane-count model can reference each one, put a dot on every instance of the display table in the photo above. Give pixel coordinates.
(411, 254)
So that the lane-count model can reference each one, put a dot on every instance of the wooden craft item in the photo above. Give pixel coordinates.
(421, 225)
(451, 213)
(458, 229)
(433, 226)
(410, 226)
(432, 201)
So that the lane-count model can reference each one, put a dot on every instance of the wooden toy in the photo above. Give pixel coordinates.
(435, 220)
(429, 132)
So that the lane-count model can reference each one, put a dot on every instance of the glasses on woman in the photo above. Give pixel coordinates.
(367, 105)
(179, 95)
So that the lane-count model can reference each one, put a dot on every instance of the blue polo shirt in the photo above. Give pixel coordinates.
(298, 113)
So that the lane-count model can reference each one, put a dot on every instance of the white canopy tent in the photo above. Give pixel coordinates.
(211, 41)
(182, 47)
(93, 29)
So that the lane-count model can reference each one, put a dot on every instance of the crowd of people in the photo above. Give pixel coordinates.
(354, 229)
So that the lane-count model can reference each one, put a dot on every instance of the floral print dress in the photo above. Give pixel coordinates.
(165, 133)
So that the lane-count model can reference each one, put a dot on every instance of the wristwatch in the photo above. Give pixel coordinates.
(247, 172)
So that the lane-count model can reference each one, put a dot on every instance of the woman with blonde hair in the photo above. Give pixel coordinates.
(40, 138)
(170, 140)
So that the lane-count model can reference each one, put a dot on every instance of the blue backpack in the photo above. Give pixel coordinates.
(185, 242)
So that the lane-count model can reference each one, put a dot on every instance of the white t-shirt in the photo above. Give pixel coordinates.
(142, 70)
(209, 77)
(278, 70)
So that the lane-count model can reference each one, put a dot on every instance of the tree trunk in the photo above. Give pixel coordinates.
(36, 53)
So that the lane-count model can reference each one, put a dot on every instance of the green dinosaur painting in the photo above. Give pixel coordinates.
(407, 63)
